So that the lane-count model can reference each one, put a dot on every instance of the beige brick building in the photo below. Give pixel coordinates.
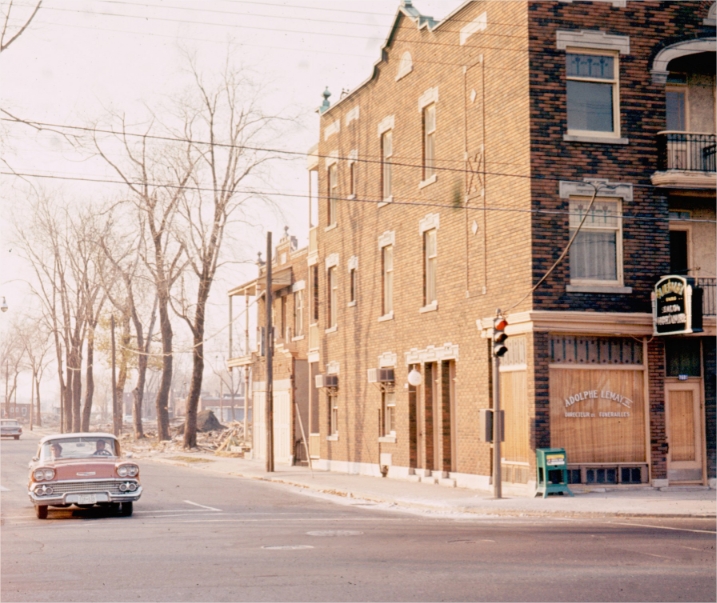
(450, 182)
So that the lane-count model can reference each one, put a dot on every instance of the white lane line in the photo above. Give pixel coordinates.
(189, 502)
(643, 525)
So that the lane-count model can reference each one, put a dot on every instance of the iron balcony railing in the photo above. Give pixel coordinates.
(709, 287)
(686, 151)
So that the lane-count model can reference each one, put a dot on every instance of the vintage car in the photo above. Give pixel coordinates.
(10, 428)
(83, 469)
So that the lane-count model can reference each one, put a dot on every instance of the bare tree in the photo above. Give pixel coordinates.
(37, 345)
(156, 177)
(11, 356)
(229, 125)
(6, 35)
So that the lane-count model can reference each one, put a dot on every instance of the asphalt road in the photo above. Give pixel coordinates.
(202, 537)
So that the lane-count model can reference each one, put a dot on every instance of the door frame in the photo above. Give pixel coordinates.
(696, 385)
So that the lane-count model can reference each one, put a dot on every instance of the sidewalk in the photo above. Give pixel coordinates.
(435, 499)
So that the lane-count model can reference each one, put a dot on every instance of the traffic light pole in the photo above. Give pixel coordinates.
(497, 430)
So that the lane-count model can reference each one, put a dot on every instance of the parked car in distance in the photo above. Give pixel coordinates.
(82, 469)
(10, 428)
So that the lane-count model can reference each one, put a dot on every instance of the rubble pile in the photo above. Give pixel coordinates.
(232, 442)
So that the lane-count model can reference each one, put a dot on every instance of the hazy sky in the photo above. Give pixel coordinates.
(81, 59)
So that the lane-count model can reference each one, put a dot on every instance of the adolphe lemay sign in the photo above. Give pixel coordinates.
(676, 306)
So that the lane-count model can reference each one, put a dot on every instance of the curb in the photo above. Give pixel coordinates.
(342, 493)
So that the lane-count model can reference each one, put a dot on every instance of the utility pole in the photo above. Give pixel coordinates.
(32, 400)
(269, 351)
(115, 422)
(7, 381)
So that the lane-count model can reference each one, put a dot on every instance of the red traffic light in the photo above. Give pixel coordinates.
(499, 336)
(500, 324)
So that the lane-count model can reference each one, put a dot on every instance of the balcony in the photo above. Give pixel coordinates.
(685, 160)
(709, 287)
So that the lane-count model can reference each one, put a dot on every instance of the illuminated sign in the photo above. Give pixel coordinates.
(676, 306)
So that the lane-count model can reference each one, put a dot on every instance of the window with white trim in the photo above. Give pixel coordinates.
(596, 253)
(333, 413)
(593, 95)
(430, 257)
(333, 177)
(298, 313)
(429, 140)
(388, 413)
(332, 306)
(386, 171)
(387, 279)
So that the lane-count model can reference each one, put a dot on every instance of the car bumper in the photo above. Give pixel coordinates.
(10, 434)
(69, 498)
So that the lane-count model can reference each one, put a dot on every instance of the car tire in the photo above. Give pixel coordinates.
(41, 511)
(17, 437)
(126, 509)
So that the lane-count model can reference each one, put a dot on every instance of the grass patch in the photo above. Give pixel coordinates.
(190, 459)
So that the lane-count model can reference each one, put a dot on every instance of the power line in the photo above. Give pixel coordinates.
(370, 201)
(293, 31)
(302, 154)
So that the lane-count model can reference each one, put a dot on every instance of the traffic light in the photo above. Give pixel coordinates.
(499, 336)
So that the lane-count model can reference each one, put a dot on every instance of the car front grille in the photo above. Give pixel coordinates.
(110, 486)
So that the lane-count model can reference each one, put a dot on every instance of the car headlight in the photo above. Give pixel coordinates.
(39, 475)
(49, 474)
(122, 471)
(132, 470)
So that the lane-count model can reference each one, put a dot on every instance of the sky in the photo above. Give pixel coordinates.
(80, 60)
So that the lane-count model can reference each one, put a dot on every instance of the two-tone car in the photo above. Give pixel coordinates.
(10, 428)
(83, 469)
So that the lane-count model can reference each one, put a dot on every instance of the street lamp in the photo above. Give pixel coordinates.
(3, 307)
(415, 378)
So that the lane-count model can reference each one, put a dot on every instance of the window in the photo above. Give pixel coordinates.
(596, 253)
(354, 178)
(333, 414)
(387, 279)
(386, 154)
(315, 293)
(352, 286)
(676, 108)
(298, 313)
(430, 254)
(592, 91)
(388, 412)
(333, 297)
(429, 140)
(333, 193)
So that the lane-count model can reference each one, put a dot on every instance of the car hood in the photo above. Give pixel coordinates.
(83, 468)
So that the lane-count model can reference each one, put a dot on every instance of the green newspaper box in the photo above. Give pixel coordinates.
(552, 465)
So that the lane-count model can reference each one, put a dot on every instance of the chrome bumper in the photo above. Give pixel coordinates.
(102, 496)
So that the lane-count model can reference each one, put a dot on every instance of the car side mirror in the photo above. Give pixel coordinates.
(35, 459)
(128, 455)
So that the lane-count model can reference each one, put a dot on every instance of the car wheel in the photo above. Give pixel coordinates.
(126, 509)
(41, 511)
(114, 508)
(17, 437)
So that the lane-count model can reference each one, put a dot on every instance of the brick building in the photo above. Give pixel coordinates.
(452, 181)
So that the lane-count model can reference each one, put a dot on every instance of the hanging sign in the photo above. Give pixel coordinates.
(672, 306)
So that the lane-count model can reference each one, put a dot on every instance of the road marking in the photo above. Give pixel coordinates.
(189, 502)
(643, 525)
(288, 547)
(335, 533)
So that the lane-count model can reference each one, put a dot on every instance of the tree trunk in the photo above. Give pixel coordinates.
(144, 348)
(163, 395)
(122, 374)
(195, 390)
(89, 379)
(77, 390)
(38, 413)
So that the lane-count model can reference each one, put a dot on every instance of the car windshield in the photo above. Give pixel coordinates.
(78, 448)
(10, 423)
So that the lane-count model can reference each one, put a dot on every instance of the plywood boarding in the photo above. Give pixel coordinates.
(598, 415)
(514, 401)
(682, 425)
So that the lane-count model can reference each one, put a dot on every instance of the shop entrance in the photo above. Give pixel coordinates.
(684, 431)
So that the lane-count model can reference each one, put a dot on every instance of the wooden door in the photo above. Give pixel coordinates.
(684, 431)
